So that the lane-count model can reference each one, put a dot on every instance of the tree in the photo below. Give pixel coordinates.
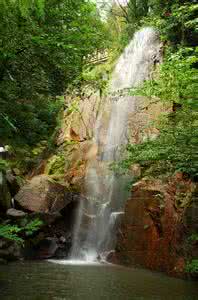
(44, 46)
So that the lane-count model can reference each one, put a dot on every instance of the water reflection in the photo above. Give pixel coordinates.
(46, 280)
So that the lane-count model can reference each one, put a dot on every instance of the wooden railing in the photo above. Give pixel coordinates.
(98, 57)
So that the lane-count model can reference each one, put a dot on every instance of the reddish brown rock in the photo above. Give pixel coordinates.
(152, 232)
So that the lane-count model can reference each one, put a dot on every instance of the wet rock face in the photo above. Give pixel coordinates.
(5, 195)
(9, 186)
(153, 232)
(42, 194)
(12, 182)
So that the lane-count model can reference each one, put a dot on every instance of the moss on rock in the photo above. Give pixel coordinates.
(55, 165)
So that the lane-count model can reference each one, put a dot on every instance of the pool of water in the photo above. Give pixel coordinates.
(68, 281)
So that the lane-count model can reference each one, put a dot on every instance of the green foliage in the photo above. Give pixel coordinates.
(176, 80)
(193, 237)
(176, 20)
(174, 148)
(10, 232)
(3, 165)
(13, 232)
(56, 165)
(117, 29)
(98, 77)
(43, 47)
(192, 266)
(32, 227)
(135, 12)
(73, 107)
(25, 7)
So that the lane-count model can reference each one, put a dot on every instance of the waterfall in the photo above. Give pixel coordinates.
(106, 192)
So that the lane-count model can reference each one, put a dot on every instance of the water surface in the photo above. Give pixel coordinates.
(56, 281)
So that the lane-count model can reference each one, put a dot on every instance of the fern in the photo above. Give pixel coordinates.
(33, 226)
(12, 232)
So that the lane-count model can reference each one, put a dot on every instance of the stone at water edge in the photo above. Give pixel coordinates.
(12, 212)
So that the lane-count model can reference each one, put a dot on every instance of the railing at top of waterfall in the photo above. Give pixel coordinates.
(98, 57)
(120, 94)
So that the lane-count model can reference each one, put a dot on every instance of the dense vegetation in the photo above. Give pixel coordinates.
(44, 46)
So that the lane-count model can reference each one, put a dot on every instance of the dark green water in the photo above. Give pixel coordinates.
(46, 280)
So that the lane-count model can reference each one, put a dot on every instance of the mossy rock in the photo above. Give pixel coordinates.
(56, 165)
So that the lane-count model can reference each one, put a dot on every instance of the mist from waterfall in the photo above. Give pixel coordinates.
(106, 192)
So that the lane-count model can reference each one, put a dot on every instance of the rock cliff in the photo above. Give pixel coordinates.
(157, 225)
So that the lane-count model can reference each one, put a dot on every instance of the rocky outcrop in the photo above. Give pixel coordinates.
(142, 121)
(42, 194)
(154, 231)
(79, 118)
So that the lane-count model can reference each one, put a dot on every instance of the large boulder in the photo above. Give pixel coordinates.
(42, 194)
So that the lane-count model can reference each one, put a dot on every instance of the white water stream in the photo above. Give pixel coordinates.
(106, 192)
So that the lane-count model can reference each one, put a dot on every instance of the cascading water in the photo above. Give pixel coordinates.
(105, 191)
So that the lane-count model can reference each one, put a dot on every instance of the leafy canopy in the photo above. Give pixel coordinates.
(43, 48)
